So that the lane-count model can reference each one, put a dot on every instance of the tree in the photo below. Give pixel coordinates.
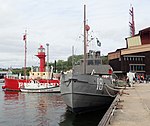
(104, 59)
(21, 70)
(75, 58)
(61, 65)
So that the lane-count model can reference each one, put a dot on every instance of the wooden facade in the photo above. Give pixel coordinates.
(145, 36)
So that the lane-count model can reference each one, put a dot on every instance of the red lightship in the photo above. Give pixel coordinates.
(37, 81)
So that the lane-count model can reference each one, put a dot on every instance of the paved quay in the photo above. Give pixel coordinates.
(136, 107)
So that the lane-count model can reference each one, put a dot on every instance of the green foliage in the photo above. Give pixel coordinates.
(62, 65)
(18, 71)
(104, 59)
(75, 59)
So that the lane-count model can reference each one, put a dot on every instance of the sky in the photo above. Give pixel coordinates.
(60, 24)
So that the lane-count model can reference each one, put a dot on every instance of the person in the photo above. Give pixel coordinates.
(139, 78)
(142, 78)
(131, 76)
(127, 81)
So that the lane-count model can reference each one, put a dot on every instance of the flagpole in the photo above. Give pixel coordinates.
(25, 58)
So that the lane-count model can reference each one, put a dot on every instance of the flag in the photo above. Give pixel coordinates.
(24, 37)
(98, 42)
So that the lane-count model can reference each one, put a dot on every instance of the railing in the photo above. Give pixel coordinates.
(105, 121)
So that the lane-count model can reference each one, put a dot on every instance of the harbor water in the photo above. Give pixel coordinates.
(41, 109)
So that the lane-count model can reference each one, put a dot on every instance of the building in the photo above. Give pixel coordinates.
(135, 57)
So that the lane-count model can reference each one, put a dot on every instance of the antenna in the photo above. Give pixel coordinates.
(73, 57)
(131, 24)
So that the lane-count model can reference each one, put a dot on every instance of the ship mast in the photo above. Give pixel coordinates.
(85, 41)
(47, 57)
(48, 76)
(25, 53)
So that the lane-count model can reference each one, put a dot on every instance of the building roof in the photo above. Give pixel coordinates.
(136, 49)
(144, 30)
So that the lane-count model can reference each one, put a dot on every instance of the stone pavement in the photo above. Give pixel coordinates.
(136, 107)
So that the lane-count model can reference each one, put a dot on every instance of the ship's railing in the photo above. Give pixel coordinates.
(11, 75)
(15, 76)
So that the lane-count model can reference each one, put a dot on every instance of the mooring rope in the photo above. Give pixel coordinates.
(109, 93)
(111, 89)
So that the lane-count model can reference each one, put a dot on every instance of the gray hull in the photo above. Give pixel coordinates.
(83, 92)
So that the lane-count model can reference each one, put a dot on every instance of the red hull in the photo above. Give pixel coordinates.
(12, 84)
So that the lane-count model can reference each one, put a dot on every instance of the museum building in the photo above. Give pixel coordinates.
(135, 57)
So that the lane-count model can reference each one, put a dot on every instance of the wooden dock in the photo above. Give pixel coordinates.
(136, 107)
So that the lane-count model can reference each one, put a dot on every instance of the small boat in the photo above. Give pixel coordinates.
(37, 81)
(35, 86)
(88, 86)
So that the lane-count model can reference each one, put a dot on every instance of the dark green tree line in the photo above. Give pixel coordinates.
(61, 65)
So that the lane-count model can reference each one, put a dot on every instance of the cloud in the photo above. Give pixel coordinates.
(60, 23)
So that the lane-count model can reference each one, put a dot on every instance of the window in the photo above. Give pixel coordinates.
(142, 68)
(139, 58)
(130, 58)
(131, 68)
(90, 62)
(97, 62)
(137, 67)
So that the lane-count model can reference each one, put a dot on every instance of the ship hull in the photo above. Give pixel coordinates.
(83, 93)
(43, 90)
(14, 84)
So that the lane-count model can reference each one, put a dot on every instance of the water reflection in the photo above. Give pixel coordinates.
(49, 110)
(31, 109)
(41, 109)
(10, 95)
(85, 119)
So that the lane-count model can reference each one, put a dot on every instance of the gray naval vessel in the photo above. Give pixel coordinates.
(93, 90)
(89, 85)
